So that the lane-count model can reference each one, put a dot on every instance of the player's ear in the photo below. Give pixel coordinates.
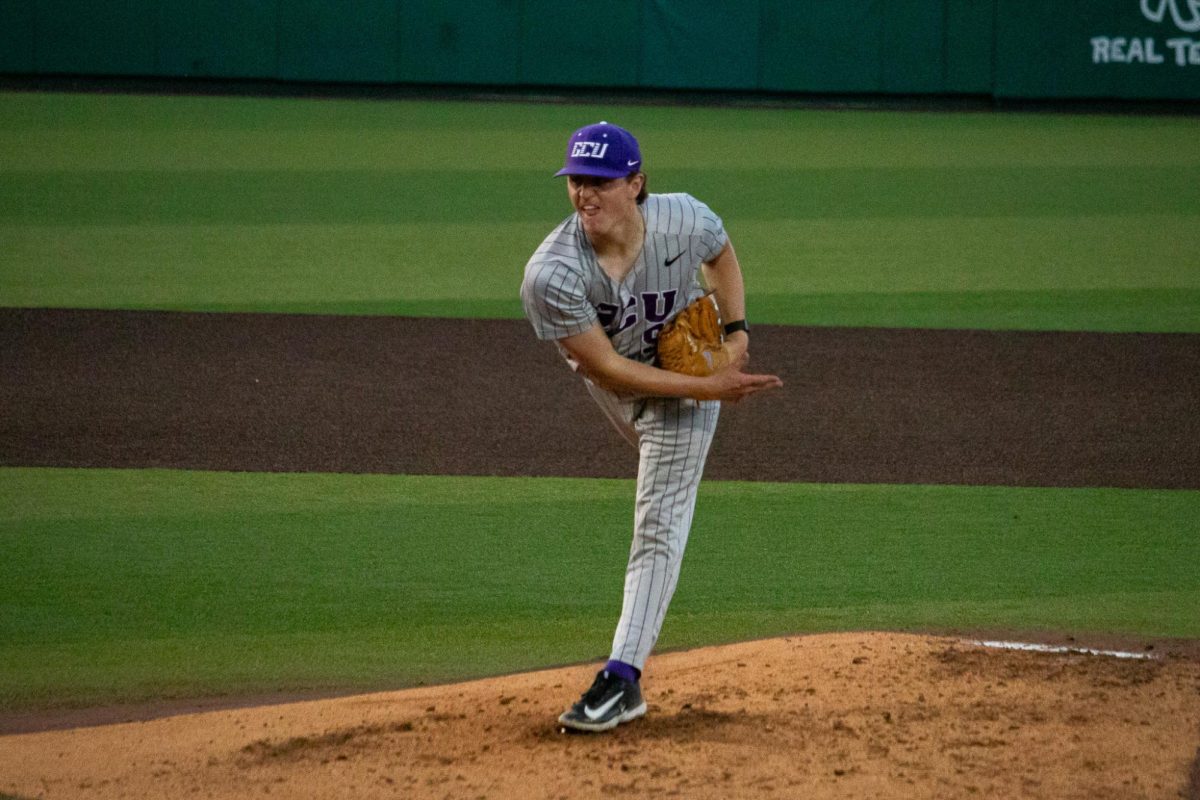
(639, 179)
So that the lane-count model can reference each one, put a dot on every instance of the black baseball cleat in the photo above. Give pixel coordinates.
(611, 701)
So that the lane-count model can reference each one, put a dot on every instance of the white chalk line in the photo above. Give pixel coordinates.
(1048, 648)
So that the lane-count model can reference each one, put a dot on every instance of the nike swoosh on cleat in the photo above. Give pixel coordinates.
(671, 261)
(596, 714)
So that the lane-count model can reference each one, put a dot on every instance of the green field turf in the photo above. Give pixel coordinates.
(125, 585)
(1023, 221)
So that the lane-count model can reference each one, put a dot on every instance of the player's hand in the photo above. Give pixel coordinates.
(730, 384)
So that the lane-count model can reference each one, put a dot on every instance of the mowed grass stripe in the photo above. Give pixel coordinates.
(137, 583)
(382, 196)
(122, 132)
(335, 269)
(1106, 272)
(1108, 310)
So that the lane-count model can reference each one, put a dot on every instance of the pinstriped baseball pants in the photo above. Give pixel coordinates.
(673, 437)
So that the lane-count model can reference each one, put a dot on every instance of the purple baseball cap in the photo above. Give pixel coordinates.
(604, 150)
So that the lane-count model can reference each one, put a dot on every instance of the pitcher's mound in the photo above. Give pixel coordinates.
(848, 715)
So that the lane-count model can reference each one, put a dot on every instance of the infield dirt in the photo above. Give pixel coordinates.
(832, 716)
(294, 393)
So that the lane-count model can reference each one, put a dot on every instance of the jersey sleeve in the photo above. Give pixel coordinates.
(555, 301)
(710, 233)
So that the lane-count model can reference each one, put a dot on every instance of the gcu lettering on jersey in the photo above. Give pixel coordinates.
(589, 149)
(656, 307)
(607, 312)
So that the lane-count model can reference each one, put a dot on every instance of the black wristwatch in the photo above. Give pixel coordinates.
(737, 325)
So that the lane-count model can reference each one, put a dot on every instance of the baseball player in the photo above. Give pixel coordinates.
(601, 286)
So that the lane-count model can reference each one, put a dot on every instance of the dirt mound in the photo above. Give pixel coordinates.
(847, 715)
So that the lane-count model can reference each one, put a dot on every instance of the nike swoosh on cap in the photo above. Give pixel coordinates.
(602, 710)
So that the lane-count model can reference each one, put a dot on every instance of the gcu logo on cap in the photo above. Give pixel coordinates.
(589, 149)
(1156, 10)
(602, 150)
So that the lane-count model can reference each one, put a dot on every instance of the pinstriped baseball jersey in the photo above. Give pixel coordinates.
(565, 291)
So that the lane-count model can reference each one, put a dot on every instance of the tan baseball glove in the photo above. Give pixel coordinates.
(692, 342)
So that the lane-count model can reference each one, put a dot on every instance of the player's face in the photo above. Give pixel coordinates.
(603, 203)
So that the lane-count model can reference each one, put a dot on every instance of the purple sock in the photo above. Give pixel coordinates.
(626, 672)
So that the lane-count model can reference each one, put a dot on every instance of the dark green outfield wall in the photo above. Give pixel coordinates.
(1005, 48)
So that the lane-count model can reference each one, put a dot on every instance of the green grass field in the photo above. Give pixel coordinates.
(424, 208)
(143, 583)
(126, 585)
